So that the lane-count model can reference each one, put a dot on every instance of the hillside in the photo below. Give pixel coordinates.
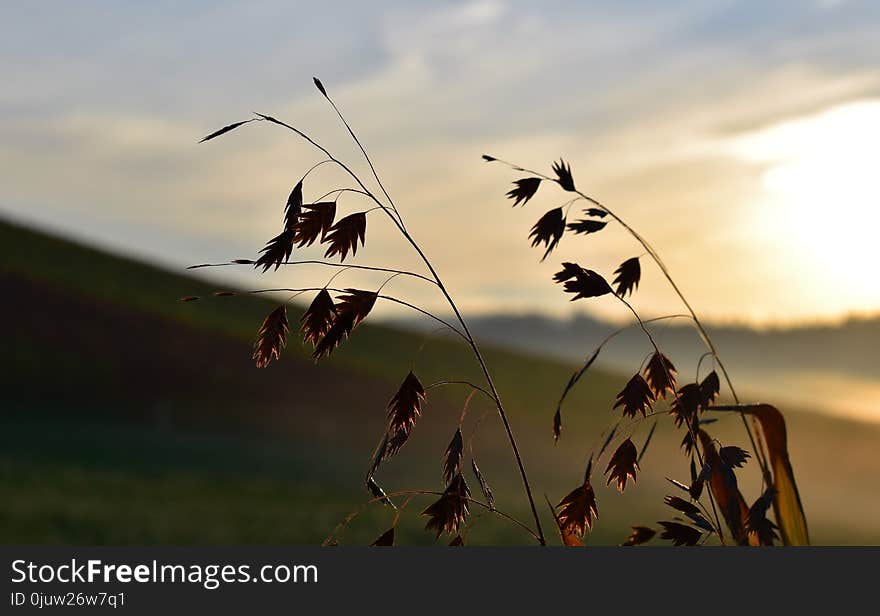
(131, 417)
(820, 366)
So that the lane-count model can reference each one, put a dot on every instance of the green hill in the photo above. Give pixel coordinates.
(130, 417)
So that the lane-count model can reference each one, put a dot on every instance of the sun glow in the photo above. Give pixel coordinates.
(822, 201)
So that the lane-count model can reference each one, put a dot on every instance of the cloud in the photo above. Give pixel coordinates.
(98, 138)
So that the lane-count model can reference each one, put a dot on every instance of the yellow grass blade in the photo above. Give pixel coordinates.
(787, 505)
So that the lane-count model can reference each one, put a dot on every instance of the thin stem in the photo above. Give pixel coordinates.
(468, 383)
(739, 408)
(315, 166)
(567, 205)
(700, 363)
(340, 191)
(464, 409)
(293, 296)
(387, 280)
(619, 331)
(590, 358)
(385, 297)
(335, 276)
(486, 374)
(342, 165)
(364, 152)
(351, 516)
(708, 516)
(523, 169)
(704, 335)
(690, 427)
(424, 312)
(474, 430)
(647, 442)
(495, 395)
(389, 270)
(400, 509)
(466, 335)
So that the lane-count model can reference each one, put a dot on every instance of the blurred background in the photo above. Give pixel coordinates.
(741, 138)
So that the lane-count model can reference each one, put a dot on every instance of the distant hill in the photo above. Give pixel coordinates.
(130, 417)
(820, 366)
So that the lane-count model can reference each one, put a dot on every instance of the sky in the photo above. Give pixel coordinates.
(740, 138)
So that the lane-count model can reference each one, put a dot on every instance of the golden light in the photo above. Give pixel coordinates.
(822, 200)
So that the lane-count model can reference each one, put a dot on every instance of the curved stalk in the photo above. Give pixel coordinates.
(363, 151)
(370, 268)
(395, 217)
(466, 335)
(385, 297)
(691, 428)
(489, 381)
(704, 335)
(474, 387)
(351, 516)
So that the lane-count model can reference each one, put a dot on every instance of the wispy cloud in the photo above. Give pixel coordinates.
(98, 135)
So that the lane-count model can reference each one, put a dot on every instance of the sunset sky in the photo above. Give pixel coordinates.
(741, 138)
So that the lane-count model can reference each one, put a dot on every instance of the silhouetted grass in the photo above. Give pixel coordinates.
(101, 427)
(657, 380)
(335, 313)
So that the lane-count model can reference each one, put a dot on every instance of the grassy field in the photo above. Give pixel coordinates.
(129, 417)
